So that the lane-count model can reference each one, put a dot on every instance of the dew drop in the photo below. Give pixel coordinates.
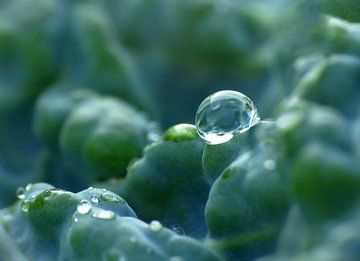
(76, 220)
(122, 258)
(20, 193)
(223, 114)
(153, 134)
(28, 187)
(104, 214)
(84, 207)
(94, 199)
(25, 205)
(155, 225)
(269, 164)
(178, 230)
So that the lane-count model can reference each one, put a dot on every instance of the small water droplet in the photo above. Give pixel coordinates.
(176, 258)
(20, 193)
(269, 164)
(223, 114)
(106, 196)
(76, 220)
(90, 187)
(104, 214)
(84, 207)
(28, 187)
(94, 199)
(122, 258)
(155, 225)
(25, 205)
(153, 134)
(178, 230)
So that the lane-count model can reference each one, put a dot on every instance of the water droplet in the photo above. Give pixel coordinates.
(104, 214)
(153, 134)
(155, 225)
(122, 258)
(20, 193)
(269, 164)
(176, 258)
(106, 196)
(76, 220)
(84, 207)
(25, 205)
(94, 199)
(223, 114)
(178, 230)
(28, 187)
(90, 187)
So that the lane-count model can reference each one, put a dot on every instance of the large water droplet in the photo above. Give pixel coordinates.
(20, 193)
(223, 114)
(155, 225)
(84, 207)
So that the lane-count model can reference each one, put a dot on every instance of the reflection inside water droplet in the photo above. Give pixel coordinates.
(223, 114)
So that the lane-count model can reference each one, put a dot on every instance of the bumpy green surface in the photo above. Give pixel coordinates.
(87, 86)
(48, 224)
(168, 183)
(90, 137)
(248, 201)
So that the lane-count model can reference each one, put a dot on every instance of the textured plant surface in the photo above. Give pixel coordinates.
(99, 157)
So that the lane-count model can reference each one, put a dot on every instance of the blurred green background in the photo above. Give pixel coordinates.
(163, 58)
